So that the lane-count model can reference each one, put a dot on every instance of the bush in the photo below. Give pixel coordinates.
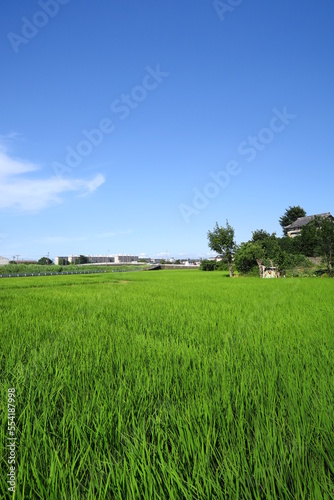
(207, 265)
(295, 260)
(221, 265)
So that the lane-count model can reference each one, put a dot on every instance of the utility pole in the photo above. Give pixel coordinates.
(48, 259)
(17, 258)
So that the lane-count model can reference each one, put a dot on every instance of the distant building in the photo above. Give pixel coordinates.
(61, 261)
(97, 259)
(295, 228)
(92, 259)
(122, 259)
(100, 259)
(4, 261)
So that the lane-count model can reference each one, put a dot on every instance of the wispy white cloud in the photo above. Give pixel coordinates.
(20, 192)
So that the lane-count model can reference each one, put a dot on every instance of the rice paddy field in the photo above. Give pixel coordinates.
(168, 385)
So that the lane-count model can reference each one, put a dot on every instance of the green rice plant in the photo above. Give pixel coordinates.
(170, 384)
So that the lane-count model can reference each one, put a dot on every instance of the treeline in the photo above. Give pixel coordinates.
(316, 239)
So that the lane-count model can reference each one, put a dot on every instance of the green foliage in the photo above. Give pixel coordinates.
(164, 385)
(212, 265)
(308, 240)
(291, 261)
(264, 251)
(82, 259)
(248, 255)
(63, 262)
(207, 265)
(260, 235)
(325, 240)
(291, 214)
(221, 240)
(37, 268)
(290, 245)
(221, 265)
(44, 261)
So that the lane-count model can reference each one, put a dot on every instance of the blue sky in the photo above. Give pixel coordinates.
(132, 127)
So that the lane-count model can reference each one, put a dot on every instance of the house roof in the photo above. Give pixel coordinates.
(302, 221)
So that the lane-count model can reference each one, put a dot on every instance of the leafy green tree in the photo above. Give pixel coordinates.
(45, 261)
(221, 240)
(325, 238)
(290, 245)
(309, 244)
(207, 265)
(291, 214)
(259, 235)
(262, 252)
(82, 259)
(248, 255)
(63, 262)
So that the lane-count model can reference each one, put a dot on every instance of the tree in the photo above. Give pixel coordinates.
(248, 255)
(309, 244)
(259, 235)
(221, 240)
(291, 245)
(63, 262)
(262, 252)
(82, 259)
(325, 237)
(44, 261)
(291, 214)
(207, 265)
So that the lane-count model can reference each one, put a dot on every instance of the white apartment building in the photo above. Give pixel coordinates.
(121, 259)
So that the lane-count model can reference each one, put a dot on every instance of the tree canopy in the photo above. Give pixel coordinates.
(221, 240)
(325, 240)
(44, 261)
(291, 214)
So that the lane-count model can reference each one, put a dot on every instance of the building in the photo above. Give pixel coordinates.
(4, 261)
(295, 228)
(97, 259)
(91, 259)
(61, 261)
(122, 259)
(100, 259)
